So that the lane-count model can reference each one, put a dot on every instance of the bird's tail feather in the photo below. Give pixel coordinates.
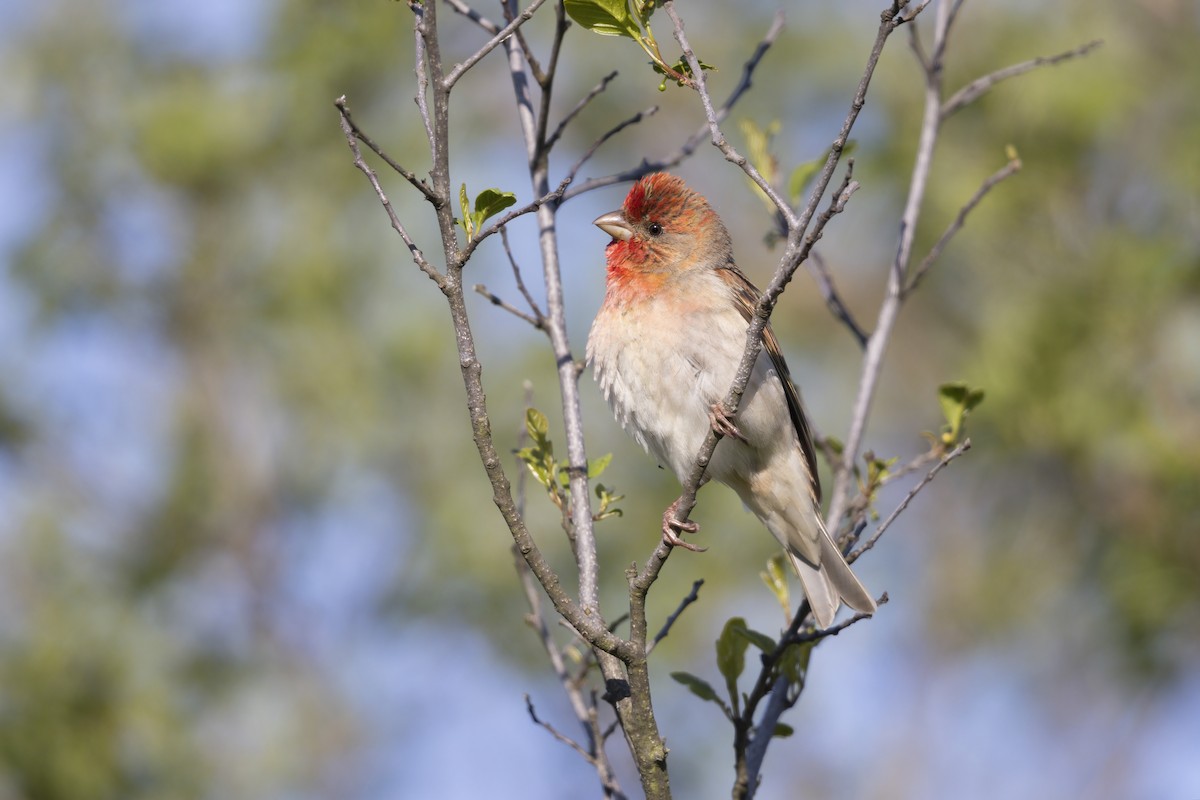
(832, 582)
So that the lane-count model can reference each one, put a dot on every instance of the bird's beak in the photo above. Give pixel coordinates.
(613, 223)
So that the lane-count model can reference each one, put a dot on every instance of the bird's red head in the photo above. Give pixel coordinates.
(663, 227)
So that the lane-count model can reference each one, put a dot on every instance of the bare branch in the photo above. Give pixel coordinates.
(505, 32)
(834, 630)
(533, 306)
(474, 16)
(568, 741)
(889, 309)
(963, 447)
(580, 106)
(351, 140)
(710, 114)
(976, 88)
(419, 184)
(820, 273)
(691, 597)
(480, 289)
(692, 142)
(611, 132)
(1008, 170)
(421, 68)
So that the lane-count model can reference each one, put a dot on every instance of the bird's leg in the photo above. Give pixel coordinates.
(722, 422)
(671, 523)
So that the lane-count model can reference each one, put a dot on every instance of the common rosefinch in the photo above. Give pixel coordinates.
(665, 347)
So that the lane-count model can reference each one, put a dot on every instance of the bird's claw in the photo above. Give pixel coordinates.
(671, 523)
(722, 422)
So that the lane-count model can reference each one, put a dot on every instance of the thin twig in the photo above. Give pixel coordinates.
(516, 270)
(421, 68)
(834, 630)
(568, 741)
(352, 141)
(480, 289)
(1008, 170)
(889, 309)
(611, 132)
(474, 16)
(820, 273)
(691, 597)
(548, 198)
(419, 184)
(710, 113)
(973, 90)
(580, 106)
(505, 32)
(697, 138)
(963, 447)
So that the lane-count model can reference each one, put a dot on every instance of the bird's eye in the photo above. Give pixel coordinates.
(655, 229)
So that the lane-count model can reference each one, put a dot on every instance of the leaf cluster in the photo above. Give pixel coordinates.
(553, 475)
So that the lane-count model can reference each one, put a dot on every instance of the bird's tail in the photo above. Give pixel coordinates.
(830, 583)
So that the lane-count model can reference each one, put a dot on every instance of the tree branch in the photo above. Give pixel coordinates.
(1008, 170)
(980, 86)
(963, 447)
(820, 273)
(365, 169)
(501, 36)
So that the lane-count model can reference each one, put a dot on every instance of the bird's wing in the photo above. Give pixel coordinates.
(746, 297)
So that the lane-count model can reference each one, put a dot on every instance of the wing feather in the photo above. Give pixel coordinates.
(746, 296)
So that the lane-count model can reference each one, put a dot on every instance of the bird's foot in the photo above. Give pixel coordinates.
(722, 422)
(671, 523)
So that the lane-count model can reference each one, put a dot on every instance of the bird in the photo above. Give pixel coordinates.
(664, 348)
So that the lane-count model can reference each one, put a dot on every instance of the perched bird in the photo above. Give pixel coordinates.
(665, 346)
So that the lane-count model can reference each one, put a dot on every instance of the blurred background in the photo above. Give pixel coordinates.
(246, 546)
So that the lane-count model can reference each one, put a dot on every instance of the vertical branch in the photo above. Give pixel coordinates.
(889, 309)
(627, 680)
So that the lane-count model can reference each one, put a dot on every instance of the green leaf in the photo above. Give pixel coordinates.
(698, 686)
(775, 578)
(489, 203)
(597, 466)
(783, 730)
(759, 640)
(957, 401)
(731, 654)
(605, 17)
(536, 424)
(466, 220)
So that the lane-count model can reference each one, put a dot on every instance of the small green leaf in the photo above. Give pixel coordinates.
(957, 401)
(759, 640)
(605, 17)
(489, 203)
(536, 424)
(597, 466)
(835, 444)
(699, 687)
(776, 580)
(783, 730)
(466, 220)
(731, 653)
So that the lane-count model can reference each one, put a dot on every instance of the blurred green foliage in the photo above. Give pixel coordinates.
(299, 348)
